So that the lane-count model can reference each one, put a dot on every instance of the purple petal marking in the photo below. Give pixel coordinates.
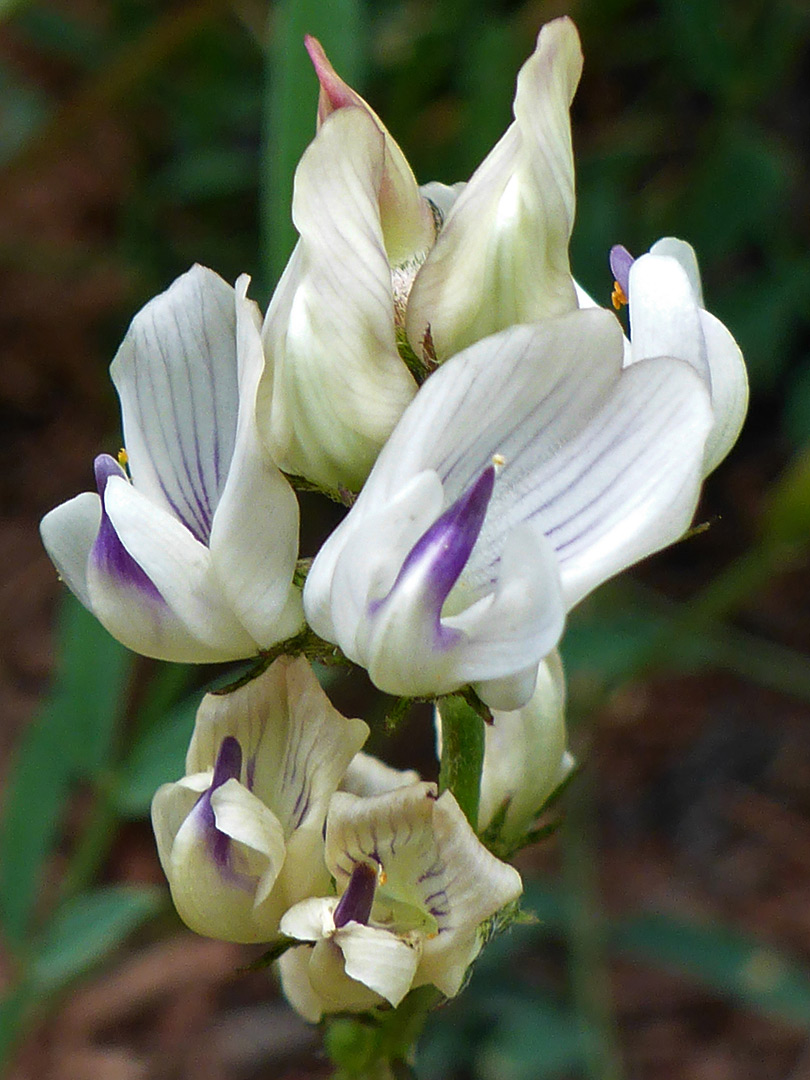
(228, 767)
(620, 262)
(446, 546)
(356, 903)
(108, 552)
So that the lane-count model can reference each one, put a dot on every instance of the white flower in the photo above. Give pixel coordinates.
(502, 254)
(192, 559)
(530, 468)
(525, 758)
(366, 276)
(240, 837)
(667, 318)
(335, 384)
(414, 886)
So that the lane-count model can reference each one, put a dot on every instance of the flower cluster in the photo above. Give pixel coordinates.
(511, 448)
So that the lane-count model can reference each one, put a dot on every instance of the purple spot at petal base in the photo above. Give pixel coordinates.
(356, 903)
(108, 552)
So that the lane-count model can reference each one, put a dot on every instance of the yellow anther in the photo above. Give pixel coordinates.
(618, 296)
(382, 877)
(123, 458)
(498, 460)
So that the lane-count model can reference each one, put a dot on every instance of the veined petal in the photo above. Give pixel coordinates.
(335, 385)
(296, 746)
(628, 484)
(502, 255)
(176, 376)
(480, 885)
(407, 223)
(68, 533)
(437, 882)
(180, 568)
(254, 535)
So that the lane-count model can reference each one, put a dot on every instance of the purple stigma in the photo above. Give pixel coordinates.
(108, 552)
(356, 903)
(447, 544)
(620, 262)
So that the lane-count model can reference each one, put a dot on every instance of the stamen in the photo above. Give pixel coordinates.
(356, 903)
(618, 296)
(123, 458)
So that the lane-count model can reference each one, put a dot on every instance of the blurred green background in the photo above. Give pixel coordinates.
(672, 935)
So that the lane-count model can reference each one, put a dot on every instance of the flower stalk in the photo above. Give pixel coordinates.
(462, 756)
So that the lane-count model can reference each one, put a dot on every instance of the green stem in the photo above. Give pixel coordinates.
(462, 753)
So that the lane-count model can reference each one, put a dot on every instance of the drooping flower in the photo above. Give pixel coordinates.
(240, 837)
(525, 758)
(371, 282)
(414, 886)
(530, 468)
(667, 318)
(190, 557)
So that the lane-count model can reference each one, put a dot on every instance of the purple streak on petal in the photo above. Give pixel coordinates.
(449, 541)
(445, 547)
(620, 262)
(228, 767)
(108, 552)
(356, 903)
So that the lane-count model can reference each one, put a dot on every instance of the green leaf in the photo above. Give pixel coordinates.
(292, 95)
(731, 964)
(91, 688)
(86, 930)
(72, 738)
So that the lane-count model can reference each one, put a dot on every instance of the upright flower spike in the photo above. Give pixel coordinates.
(502, 254)
(525, 758)
(370, 280)
(189, 555)
(530, 468)
(335, 384)
(414, 886)
(667, 317)
(240, 837)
